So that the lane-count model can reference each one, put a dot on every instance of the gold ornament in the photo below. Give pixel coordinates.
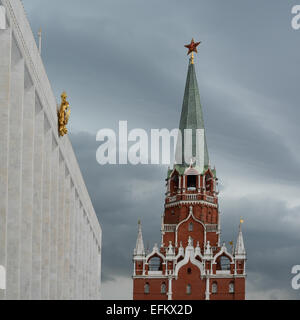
(63, 115)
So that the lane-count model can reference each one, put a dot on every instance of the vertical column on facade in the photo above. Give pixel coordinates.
(183, 183)
(46, 211)
(14, 173)
(72, 240)
(5, 65)
(207, 293)
(37, 201)
(90, 262)
(80, 252)
(83, 254)
(99, 272)
(53, 219)
(60, 227)
(86, 259)
(94, 267)
(27, 186)
(66, 265)
(76, 252)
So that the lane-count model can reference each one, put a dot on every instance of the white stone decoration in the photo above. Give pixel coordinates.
(50, 236)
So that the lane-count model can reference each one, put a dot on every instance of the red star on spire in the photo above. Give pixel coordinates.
(192, 46)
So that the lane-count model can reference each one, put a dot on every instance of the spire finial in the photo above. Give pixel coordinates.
(192, 48)
(241, 222)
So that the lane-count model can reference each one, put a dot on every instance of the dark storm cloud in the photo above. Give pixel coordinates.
(124, 60)
(121, 195)
(133, 51)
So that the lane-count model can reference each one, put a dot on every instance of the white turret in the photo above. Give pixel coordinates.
(139, 248)
(170, 251)
(208, 251)
(240, 251)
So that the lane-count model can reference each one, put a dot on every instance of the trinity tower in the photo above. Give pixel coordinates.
(191, 263)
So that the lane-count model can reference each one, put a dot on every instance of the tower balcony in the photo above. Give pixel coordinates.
(191, 197)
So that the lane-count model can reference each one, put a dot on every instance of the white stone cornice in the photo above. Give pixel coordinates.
(190, 202)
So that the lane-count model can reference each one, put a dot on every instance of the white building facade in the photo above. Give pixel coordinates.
(50, 237)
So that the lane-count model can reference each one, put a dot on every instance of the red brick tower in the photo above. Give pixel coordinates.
(191, 263)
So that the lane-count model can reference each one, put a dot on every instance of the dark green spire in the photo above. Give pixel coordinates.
(191, 115)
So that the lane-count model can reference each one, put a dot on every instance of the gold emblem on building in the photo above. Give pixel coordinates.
(63, 115)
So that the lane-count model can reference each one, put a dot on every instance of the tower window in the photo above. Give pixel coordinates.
(189, 270)
(174, 183)
(191, 227)
(188, 289)
(191, 182)
(214, 288)
(147, 288)
(208, 183)
(231, 287)
(155, 264)
(224, 263)
(163, 288)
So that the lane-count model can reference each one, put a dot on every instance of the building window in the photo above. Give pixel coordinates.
(155, 264)
(189, 270)
(191, 227)
(191, 182)
(214, 288)
(174, 183)
(208, 183)
(172, 212)
(231, 287)
(163, 288)
(224, 263)
(146, 288)
(188, 289)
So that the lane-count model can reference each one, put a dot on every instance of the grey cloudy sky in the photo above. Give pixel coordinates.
(124, 60)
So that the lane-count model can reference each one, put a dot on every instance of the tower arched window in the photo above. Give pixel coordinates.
(191, 182)
(191, 226)
(163, 288)
(155, 264)
(231, 287)
(146, 288)
(214, 288)
(224, 263)
(188, 289)
(174, 183)
(208, 183)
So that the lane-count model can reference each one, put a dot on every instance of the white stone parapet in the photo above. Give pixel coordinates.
(50, 236)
